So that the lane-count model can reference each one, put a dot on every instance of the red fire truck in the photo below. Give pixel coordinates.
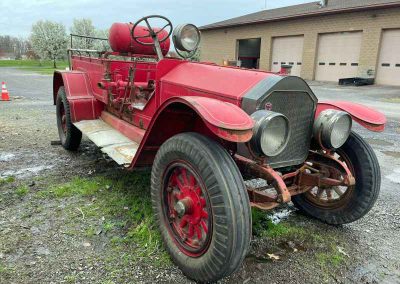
(204, 128)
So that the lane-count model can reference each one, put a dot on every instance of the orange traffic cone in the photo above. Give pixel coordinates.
(4, 93)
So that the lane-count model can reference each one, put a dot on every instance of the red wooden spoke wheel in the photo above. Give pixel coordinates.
(188, 209)
(201, 207)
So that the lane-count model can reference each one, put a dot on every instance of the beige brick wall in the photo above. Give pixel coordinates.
(219, 45)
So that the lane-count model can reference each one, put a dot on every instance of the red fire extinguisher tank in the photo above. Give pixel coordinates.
(121, 40)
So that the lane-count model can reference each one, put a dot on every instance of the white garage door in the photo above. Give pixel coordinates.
(287, 51)
(388, 72)
(338, 56)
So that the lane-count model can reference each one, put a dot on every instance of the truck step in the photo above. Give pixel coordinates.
(117, 146)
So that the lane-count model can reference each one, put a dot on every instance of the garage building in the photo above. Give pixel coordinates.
(324, 41)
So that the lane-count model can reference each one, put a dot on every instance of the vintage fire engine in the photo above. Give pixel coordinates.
(204, 128)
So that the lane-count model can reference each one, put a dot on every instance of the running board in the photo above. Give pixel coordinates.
(117, 146)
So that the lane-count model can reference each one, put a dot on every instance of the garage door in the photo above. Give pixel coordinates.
(249, 52)
(338, 56)
(388, 71)
(288, 51)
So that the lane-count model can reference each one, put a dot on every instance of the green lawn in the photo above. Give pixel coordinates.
(42, 67)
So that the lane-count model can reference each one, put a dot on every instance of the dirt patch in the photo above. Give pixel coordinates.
(393, 154)
(392, 100)
(379, 142)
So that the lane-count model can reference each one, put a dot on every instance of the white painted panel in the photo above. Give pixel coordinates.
(388, 71)
(338, 56)
(287, 50)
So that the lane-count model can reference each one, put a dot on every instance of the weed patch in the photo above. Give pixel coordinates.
(123, 206)
(78, 186)
(331, 257)
(7, 180)
(5, 272)
(22, 190)
(264, 227)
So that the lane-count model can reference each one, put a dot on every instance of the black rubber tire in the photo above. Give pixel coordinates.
(368, 182)
(229, 202)
(73, 136)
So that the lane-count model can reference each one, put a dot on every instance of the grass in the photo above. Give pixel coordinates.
(70, 278)
(264, 227)
(323, 246)
(78, 186)
(5, 272)
(7, 180)
(22, 190)
(331, 258)
(42, 67)
(123, 203)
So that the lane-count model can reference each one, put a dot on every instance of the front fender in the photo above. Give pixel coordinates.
(369, 118)
(225, 120)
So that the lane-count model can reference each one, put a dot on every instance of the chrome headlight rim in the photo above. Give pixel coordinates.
(263, 119)
(324, 127)
(177, 38)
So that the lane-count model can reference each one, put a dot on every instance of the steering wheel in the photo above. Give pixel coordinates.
(152, 33)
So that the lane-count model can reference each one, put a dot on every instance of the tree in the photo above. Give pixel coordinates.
(102, 45)
(13, 46)
(49, 40)
(83, 27)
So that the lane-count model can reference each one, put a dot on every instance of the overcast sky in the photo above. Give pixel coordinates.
(17, 16)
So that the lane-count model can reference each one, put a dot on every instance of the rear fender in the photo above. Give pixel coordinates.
(367, 117)
(83, 104)
(209, 117)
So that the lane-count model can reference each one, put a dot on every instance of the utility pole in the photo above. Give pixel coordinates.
(265, 4)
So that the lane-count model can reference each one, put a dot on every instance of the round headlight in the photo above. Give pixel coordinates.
(186, 37)
(271, 133)
(333, 128)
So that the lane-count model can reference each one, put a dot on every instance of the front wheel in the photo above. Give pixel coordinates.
(342, 205)
(201, 206)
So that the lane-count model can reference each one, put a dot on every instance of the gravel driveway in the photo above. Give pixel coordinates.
(49, 240)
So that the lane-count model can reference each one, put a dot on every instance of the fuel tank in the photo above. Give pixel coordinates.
(121, 40)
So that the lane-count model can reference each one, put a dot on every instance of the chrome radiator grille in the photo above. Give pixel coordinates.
(299, 108)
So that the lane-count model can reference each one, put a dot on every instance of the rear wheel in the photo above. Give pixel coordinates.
(201, 206)
(70, 136)
(342, 205)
